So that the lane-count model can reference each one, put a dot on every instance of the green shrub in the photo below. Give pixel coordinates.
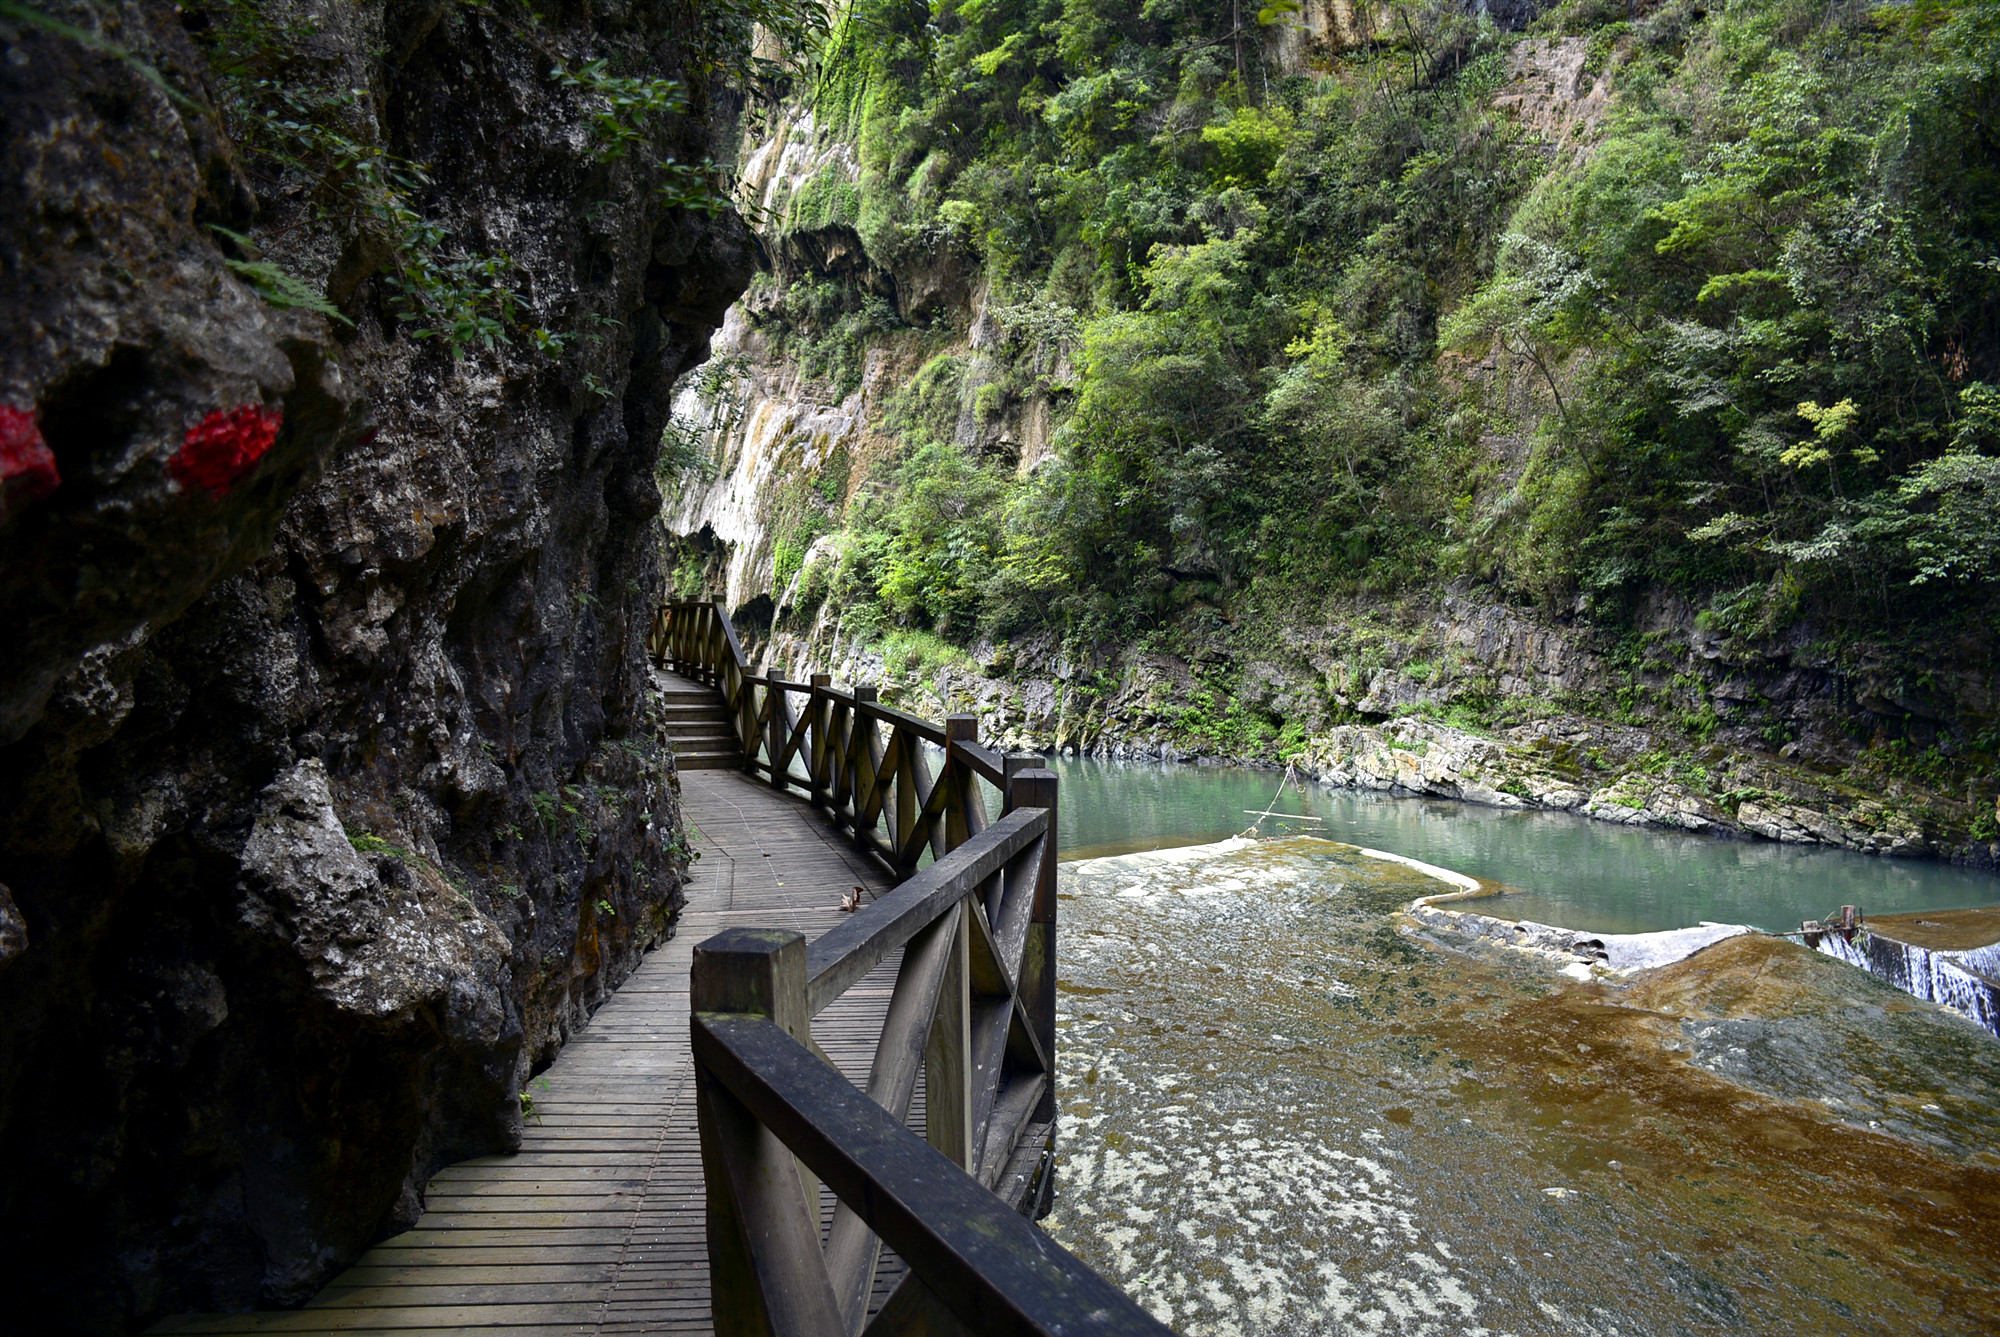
(1348, 332)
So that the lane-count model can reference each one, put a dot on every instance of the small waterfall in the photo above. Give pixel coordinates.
(1967, 982)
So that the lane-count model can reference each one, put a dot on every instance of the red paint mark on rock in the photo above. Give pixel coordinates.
(223, 447)
(27, 465)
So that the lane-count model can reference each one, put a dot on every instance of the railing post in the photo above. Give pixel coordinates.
(1036, 788)
(861, 778)
(774, 728)
(765, 1274)
(909, 800)
(817, 756)
(1012, 765)
(840, 762)
(948, 1052)
(958, 729)
(755, 970)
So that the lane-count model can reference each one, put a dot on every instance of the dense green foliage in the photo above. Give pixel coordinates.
(1777, 283)
(1354, 328)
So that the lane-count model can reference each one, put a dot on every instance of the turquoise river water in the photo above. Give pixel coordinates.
(1567, 870)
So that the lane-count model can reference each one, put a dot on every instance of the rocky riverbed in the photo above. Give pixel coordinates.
(1288, 1109)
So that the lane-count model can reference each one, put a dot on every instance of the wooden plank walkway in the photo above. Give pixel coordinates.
(597, 1225)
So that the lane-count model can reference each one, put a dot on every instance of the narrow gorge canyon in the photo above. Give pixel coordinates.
(878, 376)
(1589, 406)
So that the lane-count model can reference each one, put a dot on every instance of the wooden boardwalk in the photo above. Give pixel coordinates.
(597, 1225)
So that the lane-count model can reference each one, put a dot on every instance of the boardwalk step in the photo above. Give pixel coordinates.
(706, 740)
(708, 761)
(714, 710)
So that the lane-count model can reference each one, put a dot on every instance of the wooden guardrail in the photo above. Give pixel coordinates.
(858, 760)
(973, 1008)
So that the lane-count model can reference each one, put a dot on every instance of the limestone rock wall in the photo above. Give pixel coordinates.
(329, 800)
(768, 427)
(776, 447)
(1374, 701)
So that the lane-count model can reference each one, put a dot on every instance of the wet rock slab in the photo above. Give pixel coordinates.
(1942, 930)
(1283, 1114)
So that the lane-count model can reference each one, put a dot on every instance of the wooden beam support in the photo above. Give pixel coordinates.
(1013, 1111)
(948, 1052)
(863, 767)
(992, 976)
(842, 955)
(908, 802)
(991, 1019)
(913, 1310)
(908, 1032)
(1037, 980)
(999, 1274)
(766, 1274)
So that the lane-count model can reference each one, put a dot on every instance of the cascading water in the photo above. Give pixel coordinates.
(1967, 982)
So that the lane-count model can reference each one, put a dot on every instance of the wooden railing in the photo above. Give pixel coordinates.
(869, 767)
(973, 1009)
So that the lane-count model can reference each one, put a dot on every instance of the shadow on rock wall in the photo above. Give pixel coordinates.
(329, 801)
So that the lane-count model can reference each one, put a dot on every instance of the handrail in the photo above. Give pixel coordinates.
(729, 634)
(923, 728)
(841, 956)
(879, 789)
(988, 764)
(973, 1010)
(984, 1264)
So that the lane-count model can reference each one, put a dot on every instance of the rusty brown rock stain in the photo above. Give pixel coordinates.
(1941, 930)
(1602, 1071)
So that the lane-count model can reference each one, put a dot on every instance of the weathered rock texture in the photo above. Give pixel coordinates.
(1490, 704)
(329, 804)
(1317, 30)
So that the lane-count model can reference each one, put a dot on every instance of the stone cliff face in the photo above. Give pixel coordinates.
(1445, 693)
(329, 800)
(1490, 704)
(768, 424)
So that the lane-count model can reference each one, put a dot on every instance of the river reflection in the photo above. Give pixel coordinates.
(1281, 1115)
